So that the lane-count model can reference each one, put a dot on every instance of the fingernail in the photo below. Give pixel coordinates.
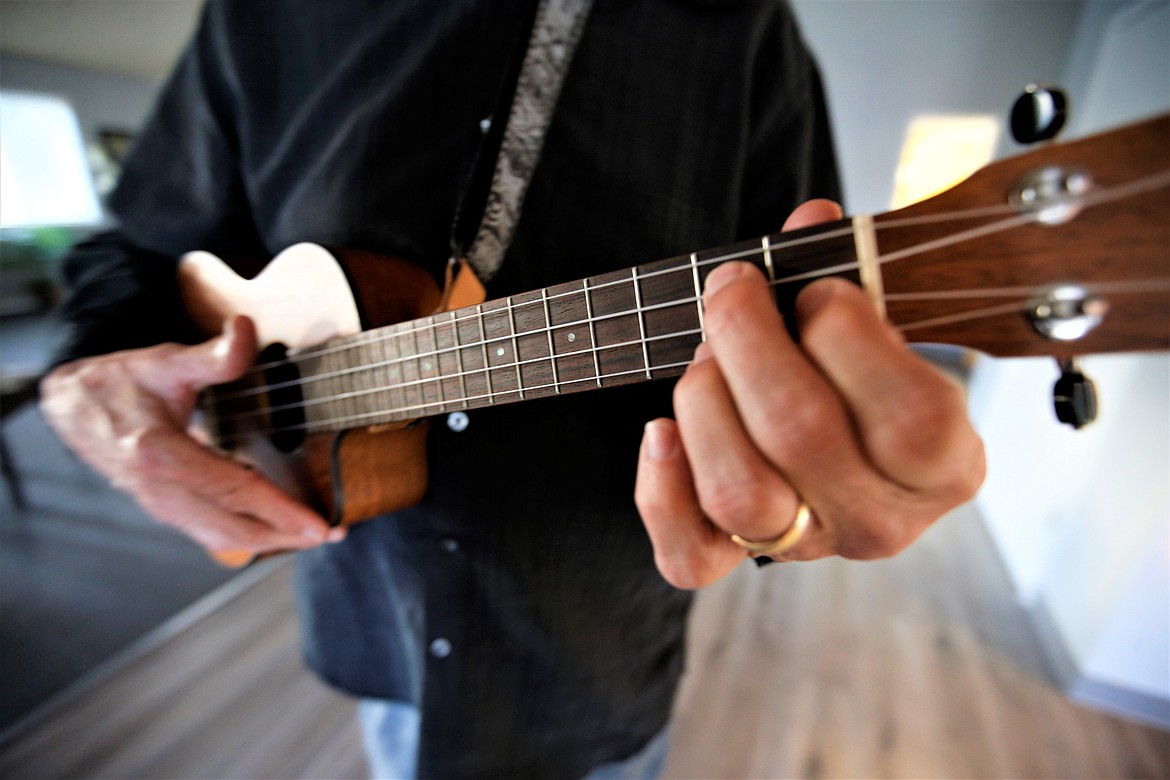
(661, 443)
(703, 353)
(722, 276)
(223, 345)
(337, 534)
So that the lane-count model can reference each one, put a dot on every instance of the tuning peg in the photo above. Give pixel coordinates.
(1038, 114)
(1074, 396)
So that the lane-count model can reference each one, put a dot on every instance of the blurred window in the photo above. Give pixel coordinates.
(44, 175)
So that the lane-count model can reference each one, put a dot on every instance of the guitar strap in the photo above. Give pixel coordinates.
(555, 32)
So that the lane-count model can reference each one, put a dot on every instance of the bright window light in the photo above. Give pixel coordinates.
(44, 176)
(941, 151)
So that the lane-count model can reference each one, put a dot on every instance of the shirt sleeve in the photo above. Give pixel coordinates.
(180, 190)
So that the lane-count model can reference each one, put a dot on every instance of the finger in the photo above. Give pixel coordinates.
(162, 459)
(789, 409)
(911, 418)
(214, 528)
(688, 550)
(181, 371)
(813, 212)
(737, 487)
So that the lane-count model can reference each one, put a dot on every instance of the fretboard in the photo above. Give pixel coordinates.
(618, 328)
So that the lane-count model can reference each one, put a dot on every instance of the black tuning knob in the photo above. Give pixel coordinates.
(1074, 396)
(1038, 114)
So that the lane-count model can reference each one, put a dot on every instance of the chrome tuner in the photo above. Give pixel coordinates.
(1074, 396)
(1053, 194)
(1067, 313)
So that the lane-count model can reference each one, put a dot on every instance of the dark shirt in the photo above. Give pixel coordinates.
(518, 605)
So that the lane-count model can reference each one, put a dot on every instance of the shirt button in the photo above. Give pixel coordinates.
(449, 544)
(440, 648)
(458, 421)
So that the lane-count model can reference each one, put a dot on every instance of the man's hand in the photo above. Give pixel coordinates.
(126, 414)
(873, 438)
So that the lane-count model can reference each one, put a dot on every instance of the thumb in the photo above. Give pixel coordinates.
(215, 361)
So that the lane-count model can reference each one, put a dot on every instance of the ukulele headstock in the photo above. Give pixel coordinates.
(1061, 251)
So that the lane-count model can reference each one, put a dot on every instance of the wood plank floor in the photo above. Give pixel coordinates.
(918, 667)
(83, 571)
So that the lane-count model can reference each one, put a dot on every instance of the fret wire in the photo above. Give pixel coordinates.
(417, 366)
(365, 385)
(487, 366)
(458, 358)
(698, 292)
(438, 368)
(388, 367)
(406, 406)
(548, 331)
(592, 331)
(641, 321)
(767, 247)
(515, 349)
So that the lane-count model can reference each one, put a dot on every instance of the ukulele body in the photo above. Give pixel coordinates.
(306, 296)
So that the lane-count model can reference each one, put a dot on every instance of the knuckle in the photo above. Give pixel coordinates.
(732, 503)
(244, 483)
(880, 535)
(647, 500)
(925, 425)
(798, 427)
(147, 450)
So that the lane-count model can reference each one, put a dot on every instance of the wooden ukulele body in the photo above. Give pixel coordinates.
(307, 296)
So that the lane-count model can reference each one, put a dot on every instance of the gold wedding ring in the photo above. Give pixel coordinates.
(785, 541)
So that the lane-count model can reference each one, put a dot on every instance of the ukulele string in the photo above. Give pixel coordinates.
(412, 329)
(1092, 198)
(409, 410)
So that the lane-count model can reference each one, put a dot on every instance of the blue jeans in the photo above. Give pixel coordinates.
(390, 733)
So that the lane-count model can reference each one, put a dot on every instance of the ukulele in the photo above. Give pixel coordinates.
(1061, 251)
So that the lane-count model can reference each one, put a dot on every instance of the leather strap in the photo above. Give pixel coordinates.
(555, 33)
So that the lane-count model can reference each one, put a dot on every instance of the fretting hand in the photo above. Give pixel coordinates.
(874, 440)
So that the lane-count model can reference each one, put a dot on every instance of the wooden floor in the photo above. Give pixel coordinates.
(83, 571)
(919, 667)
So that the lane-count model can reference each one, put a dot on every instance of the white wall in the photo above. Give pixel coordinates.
(1083, 519)
(1080, 518)
(887, 61)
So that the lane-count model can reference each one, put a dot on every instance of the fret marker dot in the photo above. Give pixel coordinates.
(572, 337)
(499, 351)
(427, 366)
